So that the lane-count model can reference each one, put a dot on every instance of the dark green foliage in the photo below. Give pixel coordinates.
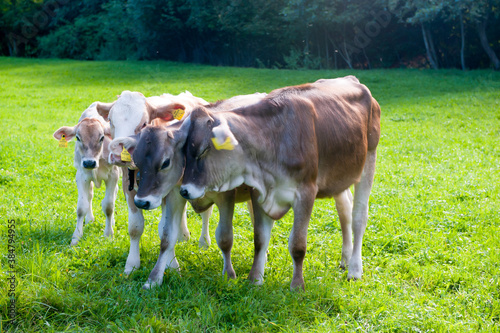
(315, 34)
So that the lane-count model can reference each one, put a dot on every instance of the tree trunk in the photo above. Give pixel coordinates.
(481, 29)
(462, 49)
(327, 54)
(431, 44)
(367, 59)
(431, 54)
(346, 55)
(343, 53)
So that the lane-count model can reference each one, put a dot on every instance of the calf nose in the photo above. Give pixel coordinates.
(184, 193)
(142, 204)
(89, 164)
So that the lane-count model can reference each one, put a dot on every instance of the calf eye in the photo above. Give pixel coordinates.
(144, 125)
(101, 139)
(78, 138)
(165, 164)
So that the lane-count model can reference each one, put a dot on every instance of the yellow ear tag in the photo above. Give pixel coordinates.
(227, 145)
(63, 143)
(178, 114)
(125, 156)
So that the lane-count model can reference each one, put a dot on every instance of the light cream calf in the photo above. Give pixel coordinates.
(92, 167)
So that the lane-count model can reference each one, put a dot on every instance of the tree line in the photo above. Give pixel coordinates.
(316, 34)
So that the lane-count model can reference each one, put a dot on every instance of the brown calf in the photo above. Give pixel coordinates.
(298, 144)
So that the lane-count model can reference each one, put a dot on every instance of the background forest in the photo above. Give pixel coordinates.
(316, 34)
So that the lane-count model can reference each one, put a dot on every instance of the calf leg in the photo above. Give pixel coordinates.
(89, 218)
(108, 203)
(135, 230)
(263, 225)
(343, 202)
(184, 231)
(204, 241)
(173, 207)
(360, 214)
(224, 232)
(83, 206)
(297, 242)
(250, 211)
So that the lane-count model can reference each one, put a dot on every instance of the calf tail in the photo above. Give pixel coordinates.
(374, 125)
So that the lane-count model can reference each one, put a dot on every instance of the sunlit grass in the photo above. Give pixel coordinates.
(431, 250)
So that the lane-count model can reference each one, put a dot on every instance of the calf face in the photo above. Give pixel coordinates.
(157, 153)
(210, 141)
(90, 134)
(131, 112)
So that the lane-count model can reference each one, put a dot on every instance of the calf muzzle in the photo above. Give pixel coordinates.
(185, 193)
(142, 204)
(89, 164)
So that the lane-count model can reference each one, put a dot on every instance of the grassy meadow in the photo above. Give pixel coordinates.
(431, 249)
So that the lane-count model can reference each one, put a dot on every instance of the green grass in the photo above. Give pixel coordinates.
(431, 250)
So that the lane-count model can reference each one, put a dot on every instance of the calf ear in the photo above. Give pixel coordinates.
(104, 108)
(167, 112)
(223, 138)
(129, 143)
(181, 134)
(68, 132)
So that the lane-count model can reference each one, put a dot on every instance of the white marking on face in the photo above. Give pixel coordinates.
(193, 191)
(154, 201)
(127, 113)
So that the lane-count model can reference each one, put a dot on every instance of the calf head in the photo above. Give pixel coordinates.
(157, 152)
(131, 112)
(90, 134)
(214, 158)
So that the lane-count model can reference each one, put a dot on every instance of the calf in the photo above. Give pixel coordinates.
(92, 167)
(128, 115)
(298, 144)
(158, 153)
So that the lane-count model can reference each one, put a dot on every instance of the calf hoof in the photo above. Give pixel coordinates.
(345, 257)
(129, 271)
(297, 285)
(204, 243)
(342, 266)
(354, 276)
(74, 241)
(108, 234)
(355, 271)
(256, 281)
(230, 274)
(130, 268)
(152, 284)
